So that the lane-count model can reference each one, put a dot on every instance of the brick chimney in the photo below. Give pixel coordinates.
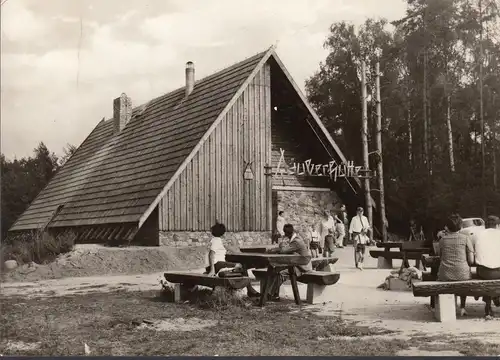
(189, 77)
(122, 112)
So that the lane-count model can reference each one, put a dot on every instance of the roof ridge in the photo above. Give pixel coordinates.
(141, 108)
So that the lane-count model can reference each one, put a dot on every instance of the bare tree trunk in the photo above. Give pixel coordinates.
(494, 145)
(448, 121)
(481, 115)
(430, 136)
(410, 137)
(364, 139)
(424, 96)
(450, 134)
(380, 164)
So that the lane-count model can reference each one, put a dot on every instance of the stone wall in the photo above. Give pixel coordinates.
(201, 238)
(305, 208)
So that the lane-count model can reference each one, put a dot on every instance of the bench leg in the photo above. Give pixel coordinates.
(445, 308)
(266, 285)
(295, 288)
(262, 283)
(384, 263)
(177, 293)
(314, 293)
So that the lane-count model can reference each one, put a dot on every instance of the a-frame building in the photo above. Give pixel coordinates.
(164, 172)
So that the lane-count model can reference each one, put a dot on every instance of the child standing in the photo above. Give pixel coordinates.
(329, 244)
(314, 245)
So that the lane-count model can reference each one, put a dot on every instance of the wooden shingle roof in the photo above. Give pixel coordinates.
(113, 179)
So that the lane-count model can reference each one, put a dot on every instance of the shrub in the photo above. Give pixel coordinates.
(36, 246)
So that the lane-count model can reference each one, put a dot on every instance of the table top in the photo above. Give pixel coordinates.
(389, 245)
(256, 249)
(259, 260)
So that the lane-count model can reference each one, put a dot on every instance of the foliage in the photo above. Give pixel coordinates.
(23, 179)
(36, 246)
(448, 32)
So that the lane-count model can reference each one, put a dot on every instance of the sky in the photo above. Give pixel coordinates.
(63, 62)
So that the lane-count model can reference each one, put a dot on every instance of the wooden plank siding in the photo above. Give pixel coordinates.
(294, 136)
(218, 190)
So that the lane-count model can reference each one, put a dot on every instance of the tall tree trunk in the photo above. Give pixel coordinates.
(450, 134)
(481, 115)
(380, 164)
(448, 121)
(410, 137)
(430, 136)
(364, 140)
(494, 147)
(424, 98)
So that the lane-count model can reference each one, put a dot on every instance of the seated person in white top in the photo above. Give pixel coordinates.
(487, 248)
(217, 257)
(358, 230)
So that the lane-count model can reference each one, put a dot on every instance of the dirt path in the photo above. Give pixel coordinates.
(354, 298)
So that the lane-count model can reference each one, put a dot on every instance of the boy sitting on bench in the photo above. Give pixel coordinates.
(216, 257)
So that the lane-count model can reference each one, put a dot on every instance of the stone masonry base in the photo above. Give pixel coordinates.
(200, 238)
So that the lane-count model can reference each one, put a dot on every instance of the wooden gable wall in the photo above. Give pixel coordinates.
(212, 186)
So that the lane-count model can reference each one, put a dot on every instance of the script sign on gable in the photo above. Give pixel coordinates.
(307, 168)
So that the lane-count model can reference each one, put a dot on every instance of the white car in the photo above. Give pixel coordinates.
(471, 225)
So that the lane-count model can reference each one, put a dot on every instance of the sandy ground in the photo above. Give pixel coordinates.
(355, 297)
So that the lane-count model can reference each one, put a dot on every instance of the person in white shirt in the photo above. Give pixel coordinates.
(216, 257)
(358, 230)
(314, 245)
(487, 248)
(327, 223)
(280, 223)
(340, 232)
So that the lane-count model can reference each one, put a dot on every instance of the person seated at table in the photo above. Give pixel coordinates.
(295, 246)
(216, 257)
(314, 245)
(456, 255)
(487, 247)
(329, 244)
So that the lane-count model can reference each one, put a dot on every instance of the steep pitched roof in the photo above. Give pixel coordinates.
(115, 178)
(119, 179)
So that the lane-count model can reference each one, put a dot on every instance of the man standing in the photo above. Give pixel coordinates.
(358, 230)
(345, 220)
(280, 223)
(487, 248)
(295, 246)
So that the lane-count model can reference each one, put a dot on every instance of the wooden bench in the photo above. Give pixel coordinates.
(316, 281)
(183, 280)
(444, 293)
(321, 264)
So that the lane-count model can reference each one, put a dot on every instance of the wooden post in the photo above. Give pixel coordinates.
(364, 139)
(380, 167)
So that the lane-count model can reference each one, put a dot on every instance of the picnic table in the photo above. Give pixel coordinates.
(273, 263)
(409, 250)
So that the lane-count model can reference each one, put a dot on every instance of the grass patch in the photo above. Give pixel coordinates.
(449, 342)
(35, 246)
(109, 324)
